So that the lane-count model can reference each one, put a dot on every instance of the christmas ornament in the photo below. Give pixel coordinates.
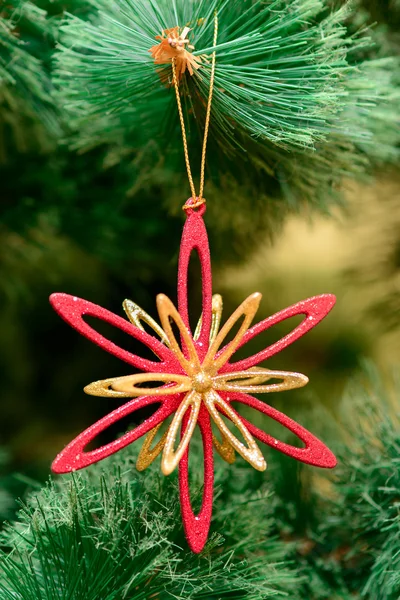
(199, 381)
(194, 377)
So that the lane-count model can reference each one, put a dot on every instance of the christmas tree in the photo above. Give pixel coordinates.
(304, 123)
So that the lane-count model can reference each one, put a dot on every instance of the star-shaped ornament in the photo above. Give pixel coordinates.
(194, 381)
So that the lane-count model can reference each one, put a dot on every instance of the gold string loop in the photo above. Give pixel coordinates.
(196, 201)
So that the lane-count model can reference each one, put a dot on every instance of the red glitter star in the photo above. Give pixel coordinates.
(199, 381)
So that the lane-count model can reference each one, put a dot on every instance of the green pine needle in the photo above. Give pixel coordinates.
(26, 106)
(281, 68)
(114, 533)
(368, 485)
(355, 546)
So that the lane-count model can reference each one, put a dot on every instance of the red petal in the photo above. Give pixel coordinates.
(314, 309)
(197, 526)
(195, 237)
(315, 452)
(73, 309)
(73, 456)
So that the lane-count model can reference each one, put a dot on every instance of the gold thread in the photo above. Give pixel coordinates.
(208, 115)
(183, 127)
(196, 200)
(192, 205)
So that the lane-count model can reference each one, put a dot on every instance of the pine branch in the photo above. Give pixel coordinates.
(280, 68)
(353, 551)
(27, 111)
(369, 484)
(117, 534)
(6, 499)
(289, 78)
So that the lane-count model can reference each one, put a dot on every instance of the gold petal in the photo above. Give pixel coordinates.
(225, 450)
(167, 311)
(253, 378)
(248, 309)
(137, 315)
(217, 306)
(147, 454)
(251, 452)
(124, 387)
(250, 381)
(103, 388)
(128, 384)
(171, 458)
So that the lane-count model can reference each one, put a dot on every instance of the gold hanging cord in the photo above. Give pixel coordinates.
(196, 200)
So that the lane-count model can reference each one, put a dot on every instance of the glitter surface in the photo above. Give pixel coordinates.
(194, 380)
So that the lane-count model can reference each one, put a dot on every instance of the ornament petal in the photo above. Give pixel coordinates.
(171, 457)
(217, 306)
(73, 310)
(148, 454)
(252, 380)
(125, 387)
(136, 315)
(314, 453)
(215, 404)
(197, 526)
(247, 309)
(315, 309)
(195, 237)
(167, 312)
(73, 457)
(225, 449)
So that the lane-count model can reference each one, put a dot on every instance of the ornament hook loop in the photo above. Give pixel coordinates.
(192, 204)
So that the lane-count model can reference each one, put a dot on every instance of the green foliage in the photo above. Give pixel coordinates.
(117, 534)
(7, 501)
(276, 79)
(353, 549)
(368, 487)
(27, 114)
(289, 78)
